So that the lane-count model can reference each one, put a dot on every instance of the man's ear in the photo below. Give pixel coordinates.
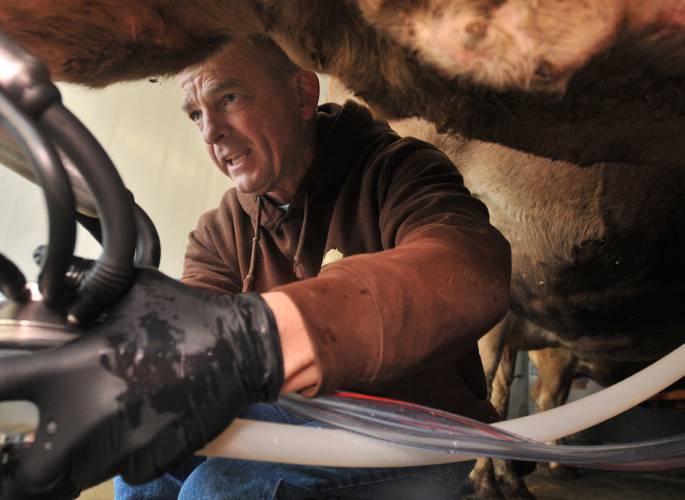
(307, 93)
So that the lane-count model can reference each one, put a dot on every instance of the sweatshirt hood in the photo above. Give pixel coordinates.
(332, 161)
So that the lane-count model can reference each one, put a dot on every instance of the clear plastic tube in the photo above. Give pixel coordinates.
(420, 427)
(408, 435)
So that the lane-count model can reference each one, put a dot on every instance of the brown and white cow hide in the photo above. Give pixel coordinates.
(487, 69)
(598, 268)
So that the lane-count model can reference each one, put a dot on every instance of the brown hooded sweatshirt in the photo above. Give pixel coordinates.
(422, 275)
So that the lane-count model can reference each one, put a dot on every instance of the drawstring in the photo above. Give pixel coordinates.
(297, 259)
(248, 282)
(298, 267)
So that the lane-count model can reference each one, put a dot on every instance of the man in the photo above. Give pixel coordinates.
(380, 269)
(377, 272)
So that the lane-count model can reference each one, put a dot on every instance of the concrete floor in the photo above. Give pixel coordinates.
(604, 485)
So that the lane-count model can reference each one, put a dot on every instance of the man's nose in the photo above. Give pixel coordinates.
(214, 128)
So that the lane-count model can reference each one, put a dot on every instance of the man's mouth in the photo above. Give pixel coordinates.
(237, 159)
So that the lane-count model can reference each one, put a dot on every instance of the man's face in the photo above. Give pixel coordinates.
(252, 120)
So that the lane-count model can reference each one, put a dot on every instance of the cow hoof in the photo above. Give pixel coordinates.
(509, 482)
(481, 483)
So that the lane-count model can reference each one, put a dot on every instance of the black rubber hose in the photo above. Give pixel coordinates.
(148, 248)
(12, 281)
(77, 272)
(58, 194)
(114, 271)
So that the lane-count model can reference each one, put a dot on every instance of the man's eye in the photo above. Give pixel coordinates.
(194, 115)
(230, 98)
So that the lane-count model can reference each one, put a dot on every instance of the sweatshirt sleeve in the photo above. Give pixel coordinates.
(441, 282)
(203, 267)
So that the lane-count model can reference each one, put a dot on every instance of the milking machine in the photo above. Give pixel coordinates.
(41, 140)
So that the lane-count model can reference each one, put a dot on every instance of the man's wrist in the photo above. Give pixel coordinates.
(301, 368)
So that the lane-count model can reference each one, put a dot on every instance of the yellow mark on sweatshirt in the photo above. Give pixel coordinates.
(331, 256)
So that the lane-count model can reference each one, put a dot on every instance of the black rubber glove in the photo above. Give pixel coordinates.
(163, 373)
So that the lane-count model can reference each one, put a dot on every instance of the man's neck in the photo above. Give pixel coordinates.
(285, 195)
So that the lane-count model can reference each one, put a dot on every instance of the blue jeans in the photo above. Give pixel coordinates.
(201, 478)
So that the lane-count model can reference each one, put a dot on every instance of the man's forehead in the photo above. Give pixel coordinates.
(206, 83)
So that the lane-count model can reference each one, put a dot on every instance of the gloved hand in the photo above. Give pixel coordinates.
(162, 374)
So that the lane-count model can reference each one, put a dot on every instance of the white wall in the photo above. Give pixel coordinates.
(159, 154)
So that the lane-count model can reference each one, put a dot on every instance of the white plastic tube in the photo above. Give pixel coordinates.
(264, 441)
(603, 405)
(293, 444)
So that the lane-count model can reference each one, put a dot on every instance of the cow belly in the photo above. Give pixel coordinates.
(579, 300)
(597, 251)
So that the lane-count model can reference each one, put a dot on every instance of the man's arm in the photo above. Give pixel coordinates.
(483, 307)
(441, 284)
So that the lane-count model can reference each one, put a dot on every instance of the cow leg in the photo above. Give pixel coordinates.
(556, 369)
(490, 348)
(499, 359)
(508, 480)
(481, 482)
